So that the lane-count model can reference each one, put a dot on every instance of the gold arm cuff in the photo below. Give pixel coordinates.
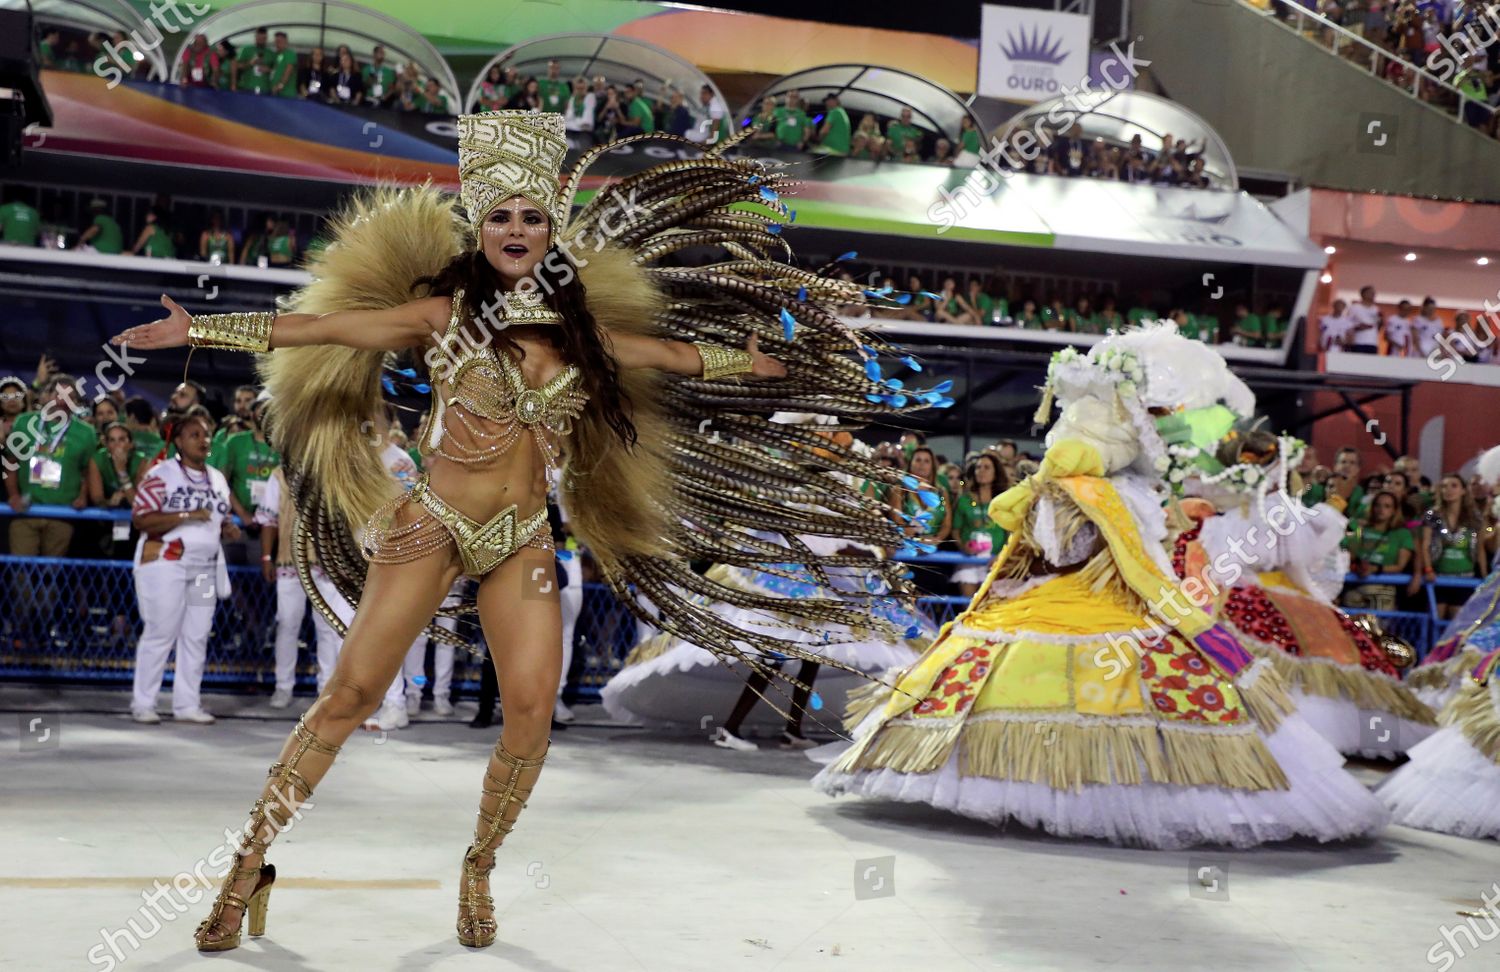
(722, 362)
(235, 332)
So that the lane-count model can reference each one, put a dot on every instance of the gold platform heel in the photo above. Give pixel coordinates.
(288, 789)
(498, 810)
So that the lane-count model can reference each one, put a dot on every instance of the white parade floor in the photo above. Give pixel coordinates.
(644, 851)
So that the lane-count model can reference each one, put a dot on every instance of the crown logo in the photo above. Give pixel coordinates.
(1043, 49)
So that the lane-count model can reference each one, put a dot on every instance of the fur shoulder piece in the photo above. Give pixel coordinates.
(322, 397)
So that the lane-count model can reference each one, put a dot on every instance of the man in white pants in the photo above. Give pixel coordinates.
(442, 663)
(276, 566)
(182, 512)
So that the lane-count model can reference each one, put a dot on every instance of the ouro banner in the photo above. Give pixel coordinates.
(1031, 55)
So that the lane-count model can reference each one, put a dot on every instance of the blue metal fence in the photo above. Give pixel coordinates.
(76, 620)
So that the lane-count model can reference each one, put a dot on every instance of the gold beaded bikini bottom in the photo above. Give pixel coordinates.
(481, 546)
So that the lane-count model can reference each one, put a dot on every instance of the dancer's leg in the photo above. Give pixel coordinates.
(397, 602)
(518, 607)
(755, 687)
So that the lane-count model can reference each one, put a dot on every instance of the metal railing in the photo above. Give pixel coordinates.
(1335, 38)
(76, 620)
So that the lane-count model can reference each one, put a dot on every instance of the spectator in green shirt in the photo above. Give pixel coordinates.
(434, 102)
(281, 247)
(52, 449)
(154, 238)
(976, 533)
(144, 428)
(111, 475)
(492, 93)
(51, 37)
(905, 138)
(553, 89)
(638, 115)
(969, 139)
(20, 224)
(976, 306)
(793, 127)
(833, 135)
(252, 66)
(1470, 83)
(379, 77)
(103, 234)
(247, 461)
(1248, 330)
(284, 68)
(1378, 544)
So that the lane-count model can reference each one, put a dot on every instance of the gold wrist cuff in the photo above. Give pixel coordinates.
(235, 332)
(722, 362)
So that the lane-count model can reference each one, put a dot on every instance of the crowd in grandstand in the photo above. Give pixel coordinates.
(268, 240)
(1406, 330)
(1453, 40)
(986, 302)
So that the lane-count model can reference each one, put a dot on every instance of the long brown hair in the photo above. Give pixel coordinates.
(578, 339)
(1469, 515)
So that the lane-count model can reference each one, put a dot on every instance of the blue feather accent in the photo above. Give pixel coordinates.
(422, 389)
(388, 385)
(768, 194)
(873, 398)
(406, 372)
(847, 256)
(816, 701)
(930, 295)
(894, 383)
(773, 228)
(897, 401)
(904, 299)
(869, 350)
(943, 403)
(928, 497)
(910, 481)
(801, 294)
(788, 324)
(911, 363)
(791, 215)
(945, 385)
(913, 631)
(872, 370)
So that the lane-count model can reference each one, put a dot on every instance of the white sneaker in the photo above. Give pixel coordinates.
(442, 707)
(281, 698)
(147, 716)
(561, 712)
(391, 716)
(789, 741)
(725, 739)
(194, 715)
(413, 705)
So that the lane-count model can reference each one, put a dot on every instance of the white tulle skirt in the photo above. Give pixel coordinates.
(1359, 732)
(1323, 801)
(686, 686)
(1449, 786)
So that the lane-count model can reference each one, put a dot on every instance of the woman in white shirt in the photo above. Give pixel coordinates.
(578, 116)
(182, 512)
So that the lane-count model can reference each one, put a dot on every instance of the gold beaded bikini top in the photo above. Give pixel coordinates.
(484, 383)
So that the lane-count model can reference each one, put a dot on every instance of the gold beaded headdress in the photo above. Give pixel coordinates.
(511, 153)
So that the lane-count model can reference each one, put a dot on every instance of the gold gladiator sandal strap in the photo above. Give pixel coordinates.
(283, 787)
(234, 332)
(510, 792)
(722, 362)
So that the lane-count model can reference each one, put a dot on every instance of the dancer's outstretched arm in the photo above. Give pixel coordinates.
(392, 329)
(681, 357)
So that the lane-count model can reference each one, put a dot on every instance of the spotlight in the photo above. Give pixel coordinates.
(1483, 261)
(1330, 249)
(1410, 257)
(1326, 278)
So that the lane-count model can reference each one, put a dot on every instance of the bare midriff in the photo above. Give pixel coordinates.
(494, 479)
